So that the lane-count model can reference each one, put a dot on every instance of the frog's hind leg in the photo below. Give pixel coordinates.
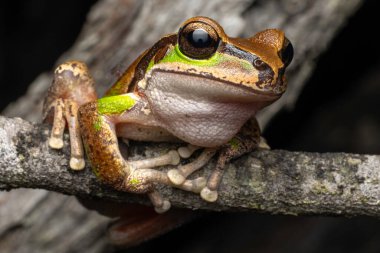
(72, 86)
(247, 140)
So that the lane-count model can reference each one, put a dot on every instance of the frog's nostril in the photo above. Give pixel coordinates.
(259, 64)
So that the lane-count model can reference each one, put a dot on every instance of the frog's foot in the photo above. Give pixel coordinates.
(145, 177)
(72, 86)
(142, 180)
(66, 111)
(179, 175)
(162, 205)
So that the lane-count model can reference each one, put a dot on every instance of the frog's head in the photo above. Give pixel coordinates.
(202, 50)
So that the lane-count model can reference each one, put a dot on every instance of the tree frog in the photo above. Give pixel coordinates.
(198, 87)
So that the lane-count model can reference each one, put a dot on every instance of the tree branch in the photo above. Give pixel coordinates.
(269, 181)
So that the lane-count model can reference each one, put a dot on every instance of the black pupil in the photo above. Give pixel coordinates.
(199, 38)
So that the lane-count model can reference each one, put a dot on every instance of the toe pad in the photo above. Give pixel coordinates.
(77, 163)
(55, 143)
(209, 195)
(162, 209)
(176, 177)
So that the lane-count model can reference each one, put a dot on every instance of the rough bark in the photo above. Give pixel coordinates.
(134, 25)
(267, 181)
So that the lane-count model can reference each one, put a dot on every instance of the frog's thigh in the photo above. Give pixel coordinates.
(247, 140)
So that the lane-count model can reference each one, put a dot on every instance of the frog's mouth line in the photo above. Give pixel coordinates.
(206, 85)
(208, 79)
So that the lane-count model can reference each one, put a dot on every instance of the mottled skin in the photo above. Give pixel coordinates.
(203, 90)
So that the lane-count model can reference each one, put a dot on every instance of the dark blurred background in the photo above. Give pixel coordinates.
(337, 111)
(33, 34)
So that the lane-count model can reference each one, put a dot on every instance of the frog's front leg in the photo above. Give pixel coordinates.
(72, 87)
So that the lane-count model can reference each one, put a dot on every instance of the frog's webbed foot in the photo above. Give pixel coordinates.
(143, 180)
(143, 169)
(72, 86)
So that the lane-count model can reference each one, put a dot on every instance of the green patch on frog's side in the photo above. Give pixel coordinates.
(115, 104)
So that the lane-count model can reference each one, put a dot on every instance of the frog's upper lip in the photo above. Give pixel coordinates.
(208, 85)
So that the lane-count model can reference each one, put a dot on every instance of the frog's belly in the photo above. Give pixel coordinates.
(199, 117)
(203, 128)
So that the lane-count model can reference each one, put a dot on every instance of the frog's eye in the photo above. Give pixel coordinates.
(286, 53)
(198, 40)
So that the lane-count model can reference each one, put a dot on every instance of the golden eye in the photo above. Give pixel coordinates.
(198, 40)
